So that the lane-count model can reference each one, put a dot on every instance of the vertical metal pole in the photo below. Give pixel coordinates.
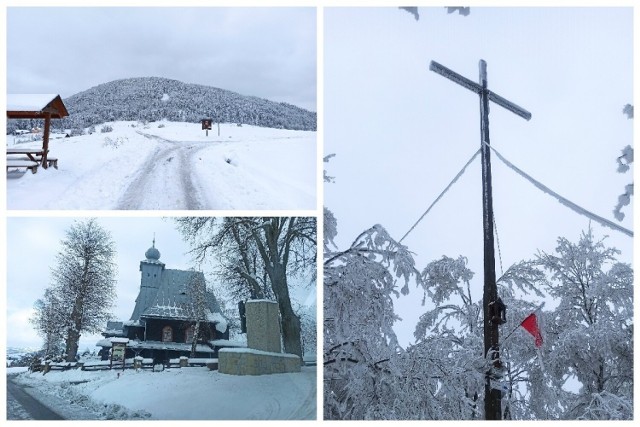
(493, 396)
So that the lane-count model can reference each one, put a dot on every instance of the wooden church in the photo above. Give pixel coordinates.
(163, 322)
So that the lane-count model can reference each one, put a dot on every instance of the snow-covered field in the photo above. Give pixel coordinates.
(174, 394)
(169, 165)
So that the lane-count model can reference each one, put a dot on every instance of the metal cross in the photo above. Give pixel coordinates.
(490, 300)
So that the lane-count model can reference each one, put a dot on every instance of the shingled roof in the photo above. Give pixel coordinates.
(172, 299)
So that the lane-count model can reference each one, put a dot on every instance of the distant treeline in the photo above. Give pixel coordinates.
(154, 98)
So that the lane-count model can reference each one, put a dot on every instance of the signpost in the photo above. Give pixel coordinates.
(206, 125)
(493, 307)
(118, 351)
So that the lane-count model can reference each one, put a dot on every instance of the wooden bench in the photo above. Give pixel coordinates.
(28, 164)
(51, 161)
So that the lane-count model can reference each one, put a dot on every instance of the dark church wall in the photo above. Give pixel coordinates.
(155, 327)
(179, 328)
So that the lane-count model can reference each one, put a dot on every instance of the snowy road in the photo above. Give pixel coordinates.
(307, 407)
(167, 180)
(22, 406)
(173, 166)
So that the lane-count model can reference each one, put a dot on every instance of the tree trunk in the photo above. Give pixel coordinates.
(194, 344)
(72, 342)
(290, 322)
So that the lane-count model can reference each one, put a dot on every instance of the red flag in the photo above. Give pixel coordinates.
(531, 325)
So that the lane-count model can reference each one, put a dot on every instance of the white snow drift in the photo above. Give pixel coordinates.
(168, 165)
(174, 394)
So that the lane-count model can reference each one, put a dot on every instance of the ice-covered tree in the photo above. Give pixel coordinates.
(48, 321)
(624, 162)
(308, 327)
(587, 337)
(83, 282)
(360, 345)
(590, 333)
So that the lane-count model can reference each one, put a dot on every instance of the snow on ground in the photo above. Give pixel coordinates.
(168, 165)
(174, 394)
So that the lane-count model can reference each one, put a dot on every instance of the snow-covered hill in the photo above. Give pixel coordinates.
(174, 166)
(177, 393)
(156, 98)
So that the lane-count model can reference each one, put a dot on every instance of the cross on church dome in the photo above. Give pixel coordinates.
(152, 253)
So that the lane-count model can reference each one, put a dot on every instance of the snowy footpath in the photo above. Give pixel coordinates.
(173, 166)
(175, 394)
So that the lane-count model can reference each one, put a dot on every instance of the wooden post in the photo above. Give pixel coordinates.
(493, 396)
(45, 139)
(492, 390)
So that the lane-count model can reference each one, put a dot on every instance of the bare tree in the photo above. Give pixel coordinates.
(197, 292)
(260, 254)
(84, 282)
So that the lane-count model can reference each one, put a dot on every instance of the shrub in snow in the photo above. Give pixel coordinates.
(92, 130)
(76, 132)
(161, 125)
(108, 142)
(106, 129)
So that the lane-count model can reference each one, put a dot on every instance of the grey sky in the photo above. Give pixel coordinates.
(401, 132)
(264, 52)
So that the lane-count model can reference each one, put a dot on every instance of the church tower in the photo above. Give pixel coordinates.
(151, 269)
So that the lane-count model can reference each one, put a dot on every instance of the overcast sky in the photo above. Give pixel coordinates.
(32, 245)
(401, 132)
(264, 52)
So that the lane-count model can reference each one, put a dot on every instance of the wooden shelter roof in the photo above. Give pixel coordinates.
(35, 106)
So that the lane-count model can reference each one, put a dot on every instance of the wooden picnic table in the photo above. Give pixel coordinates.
(32, 154)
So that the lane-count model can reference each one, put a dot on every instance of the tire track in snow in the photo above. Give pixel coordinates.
(167, 180)
(307, 409)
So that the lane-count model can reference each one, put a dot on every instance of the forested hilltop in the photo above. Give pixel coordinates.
(155, 98)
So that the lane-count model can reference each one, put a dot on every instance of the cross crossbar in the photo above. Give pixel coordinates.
(476, 88)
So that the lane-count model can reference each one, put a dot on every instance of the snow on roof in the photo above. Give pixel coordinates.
(108, 342)
(218, 320)
(227, 343)
(261, 300)
(132, 323)
(29, 101)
